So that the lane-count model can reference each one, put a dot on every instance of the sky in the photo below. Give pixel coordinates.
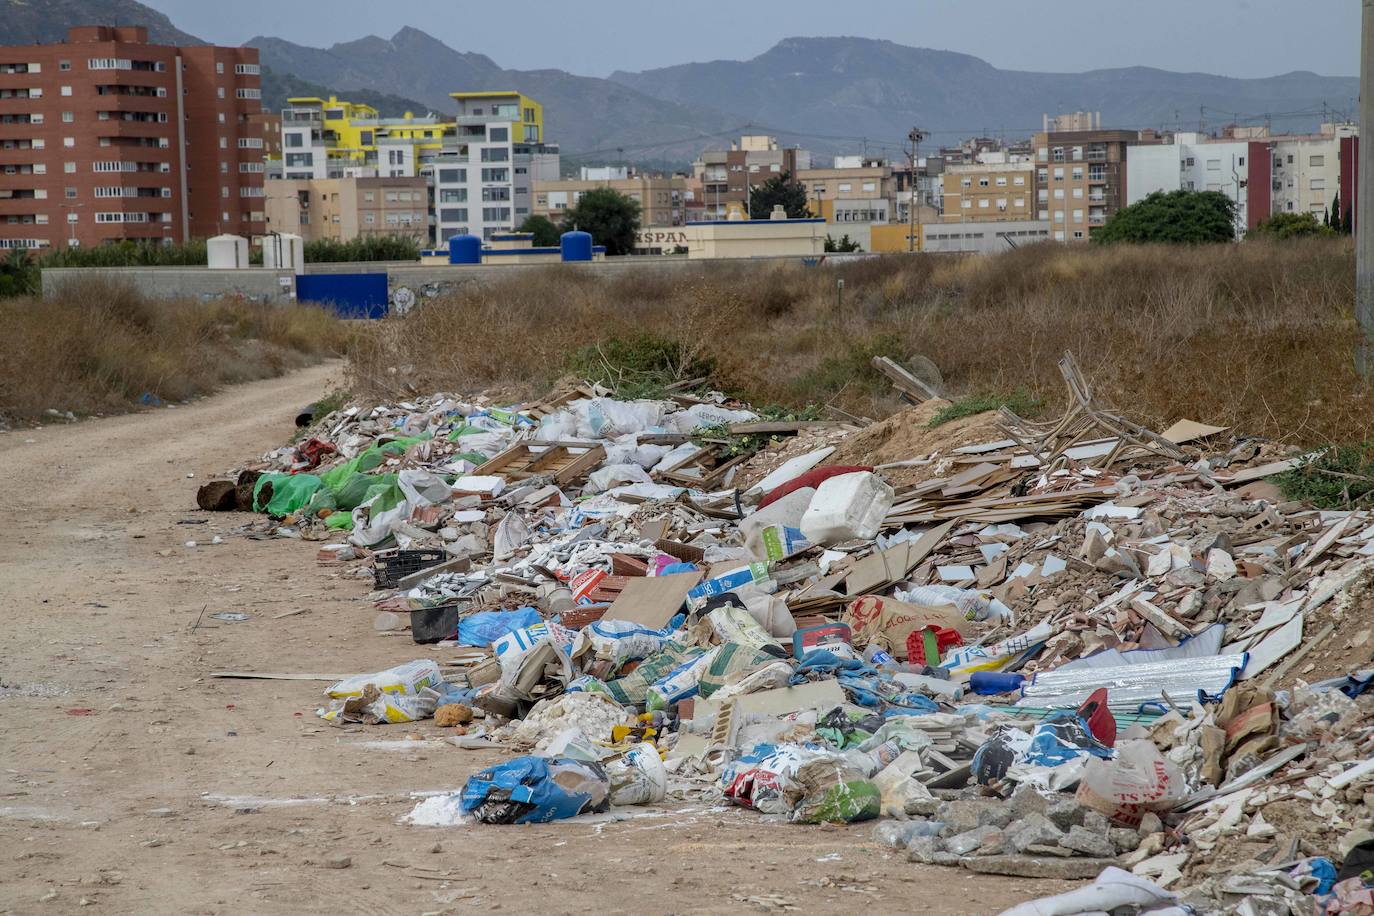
(1244, 38)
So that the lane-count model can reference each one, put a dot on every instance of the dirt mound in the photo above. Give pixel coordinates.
(907, 435)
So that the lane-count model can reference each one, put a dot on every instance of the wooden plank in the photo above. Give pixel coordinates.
(904, 380)
(881, 569)
(780, 426)
(271, 676)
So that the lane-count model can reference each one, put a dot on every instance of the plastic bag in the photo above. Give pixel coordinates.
(407, 679)
(536, 790)
(615, 475)
(732, 658)
(757, 779)
(974, 605)
(828, 790)
(423, 488)
(617, 642)
(486, 627)
(289, 493)
(680, 683)
(1138, 780)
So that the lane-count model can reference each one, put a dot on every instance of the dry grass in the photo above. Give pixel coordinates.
(99, 346)
(1258, 335)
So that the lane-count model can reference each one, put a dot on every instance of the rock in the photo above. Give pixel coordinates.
(161, 812)
(1123, 838)
(1153, 844)
(965, 814)
(1089, 843)
(1095, 822)
(967, 843)
(1026, 801)
(1065, 813)
(339, 861)
(1035, 866)
(1220, 565)
(1094, 546)
(923, 849)
(452, 714)
(217, 496)
(1118, 563)
(1150, 823)
(1033, 830)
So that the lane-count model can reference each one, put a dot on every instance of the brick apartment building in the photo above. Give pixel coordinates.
(106, 137)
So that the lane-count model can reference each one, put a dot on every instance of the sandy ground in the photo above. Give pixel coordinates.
(133, 782)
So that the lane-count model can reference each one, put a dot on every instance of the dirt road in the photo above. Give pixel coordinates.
(132, 781)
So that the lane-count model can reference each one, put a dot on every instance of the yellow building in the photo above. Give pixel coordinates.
(989, 192)
(526, 116)
(333, 138)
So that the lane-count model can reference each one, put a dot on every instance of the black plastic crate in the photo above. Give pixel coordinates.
(435, 624)
(391, 568)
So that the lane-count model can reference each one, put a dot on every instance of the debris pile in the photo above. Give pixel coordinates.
(1064, 649)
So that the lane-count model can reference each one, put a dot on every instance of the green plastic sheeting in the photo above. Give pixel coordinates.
(290, 492)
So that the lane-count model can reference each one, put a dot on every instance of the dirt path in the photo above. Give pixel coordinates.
(131, 780)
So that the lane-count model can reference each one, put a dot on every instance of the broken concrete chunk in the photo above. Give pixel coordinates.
(1088, 842)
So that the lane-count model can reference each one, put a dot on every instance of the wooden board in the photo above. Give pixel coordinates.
(565, 462)
(881, 569)
(652, 601)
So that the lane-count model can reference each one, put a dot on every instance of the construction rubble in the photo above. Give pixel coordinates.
(1076, 649)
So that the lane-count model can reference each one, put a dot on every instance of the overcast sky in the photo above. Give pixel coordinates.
(593, 37)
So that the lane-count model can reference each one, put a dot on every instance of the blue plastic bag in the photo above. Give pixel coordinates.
(484, 628)
(536, 790)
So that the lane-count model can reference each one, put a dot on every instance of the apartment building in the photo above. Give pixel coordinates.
(1195, 162)
(661, 198)
(994, 191)
(723, 178)
(930, 185)
(1309, 171)
(1080, 178)
(343, 209)
(484, 177)
(334, 138)
(854, 189)
(106, 137)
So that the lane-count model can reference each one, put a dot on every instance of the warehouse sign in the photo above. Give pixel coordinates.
(660, 238)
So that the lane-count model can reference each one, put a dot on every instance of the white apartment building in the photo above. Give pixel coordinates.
(484, 177)
(1193, 162)
(1307, 171)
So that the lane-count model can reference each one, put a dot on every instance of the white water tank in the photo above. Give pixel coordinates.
(284, 251)
(227, 252)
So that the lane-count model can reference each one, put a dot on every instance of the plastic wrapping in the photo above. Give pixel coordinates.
(535, 790)
(1129, 687)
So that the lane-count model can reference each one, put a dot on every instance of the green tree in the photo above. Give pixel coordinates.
(780, 189)
(610, 217)
(1333, 216)
(1289, 226)
(1177, 216)
(18, 275)
(844, 244)
(546, 233)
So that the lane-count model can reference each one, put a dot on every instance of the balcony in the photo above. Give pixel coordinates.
(1097, 198)
(1097, 221)
(301, 116)
(1095, 155)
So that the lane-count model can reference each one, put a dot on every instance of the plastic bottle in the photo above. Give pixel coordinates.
(876, 657)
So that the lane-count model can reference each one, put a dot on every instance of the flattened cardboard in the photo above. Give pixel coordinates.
(652, 601)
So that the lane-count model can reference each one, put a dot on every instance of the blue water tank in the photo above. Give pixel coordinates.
(576, 245)
(465, 249)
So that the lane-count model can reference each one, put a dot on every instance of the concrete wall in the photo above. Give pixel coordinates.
(255, 284)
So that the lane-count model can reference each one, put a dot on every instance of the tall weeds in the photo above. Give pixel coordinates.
(1258, 336)
(101, 346)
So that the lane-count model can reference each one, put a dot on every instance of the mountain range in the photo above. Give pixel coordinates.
(829, 95)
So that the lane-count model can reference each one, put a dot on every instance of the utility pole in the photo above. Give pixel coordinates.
(916, 136)
(1364, 199)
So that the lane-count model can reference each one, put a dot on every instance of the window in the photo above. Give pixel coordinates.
(454, 215)
(496, 174)
(870, 186)
(453, 176)
(69, 167)
(1044, 195)
(1059, 216)
(495, 214)
(1059, 174)
(1077, 193)
(247, 93)
(250, 143)
(294, 141)
(1001, 203)
(495, 154)
(1042, 175)
(966, 204)
(69, 142)
(1318, 184)
(1241, 161)
(1059, 235)
(845, 187)
(498, 134)
(1315, 162)
(66, 91)
(71, 193)
(247, 69)
(64, 65)
(1058, 193)
(1078, 234)
(1078, 216)
(495, 194)
(966, 183)
(68, 117)
(1078, 173)
(984, 204)
(219, 67)
(223, 142)
(1001, 181)
(1057, 154)
(220, 90)
(1043, 153)
(982, 182)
